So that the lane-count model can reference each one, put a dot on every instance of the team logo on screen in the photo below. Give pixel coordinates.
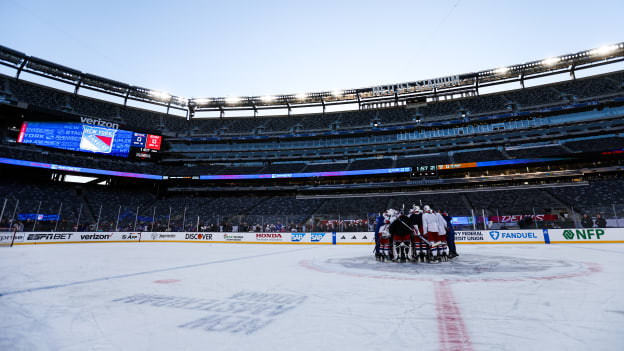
(97, 139)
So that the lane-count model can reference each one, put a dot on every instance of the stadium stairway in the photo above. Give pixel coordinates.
(86, 207)
(149, 205)
(349, 166)
(246, 211)
(556, 199)
(466, 202)
(315, 211)
(566, 148)
(504, 152)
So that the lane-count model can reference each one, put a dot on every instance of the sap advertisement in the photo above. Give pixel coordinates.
(86, 138)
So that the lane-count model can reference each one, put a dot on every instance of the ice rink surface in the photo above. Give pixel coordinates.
(179, 296)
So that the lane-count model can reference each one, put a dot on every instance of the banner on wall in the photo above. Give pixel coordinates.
(346, 238)
(220, 237)
(311, 238)
(540, 236)
(77, 237)
(6, 238)
(597, 235)
(499, 236)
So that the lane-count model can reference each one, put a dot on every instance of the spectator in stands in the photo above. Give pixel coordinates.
(587, 221)
(600, 221)
(525, 222)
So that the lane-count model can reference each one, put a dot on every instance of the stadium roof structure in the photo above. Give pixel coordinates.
(468, 83)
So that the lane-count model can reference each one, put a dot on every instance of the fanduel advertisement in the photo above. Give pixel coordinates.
(85, 138)
(499, 236)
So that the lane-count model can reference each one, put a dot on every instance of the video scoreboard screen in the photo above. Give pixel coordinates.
(87, 138)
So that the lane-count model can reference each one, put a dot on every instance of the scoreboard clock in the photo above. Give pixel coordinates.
(425, 171)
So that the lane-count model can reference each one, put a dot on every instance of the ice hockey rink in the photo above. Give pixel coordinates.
(192, 296)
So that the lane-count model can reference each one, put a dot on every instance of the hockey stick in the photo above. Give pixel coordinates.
(13, 239)
(416, 233)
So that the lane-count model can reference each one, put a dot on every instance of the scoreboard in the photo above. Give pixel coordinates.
(87, 138)
(424, 171)
(147, 141)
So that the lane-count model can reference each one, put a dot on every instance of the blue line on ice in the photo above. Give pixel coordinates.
(146, 272)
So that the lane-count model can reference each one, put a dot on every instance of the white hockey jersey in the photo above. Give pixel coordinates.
(442, 226)
(430, 223)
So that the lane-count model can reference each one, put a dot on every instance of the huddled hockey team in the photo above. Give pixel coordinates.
(421, 235)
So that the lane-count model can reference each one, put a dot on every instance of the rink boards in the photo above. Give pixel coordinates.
(540, 236)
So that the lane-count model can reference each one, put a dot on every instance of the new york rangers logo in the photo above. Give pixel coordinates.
(97, 139)
(495, 234)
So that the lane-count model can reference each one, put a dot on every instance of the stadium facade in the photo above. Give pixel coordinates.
(536, 156)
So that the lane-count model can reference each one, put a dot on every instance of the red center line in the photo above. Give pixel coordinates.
(451, 327)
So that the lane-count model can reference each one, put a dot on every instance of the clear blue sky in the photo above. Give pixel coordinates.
(240, 48)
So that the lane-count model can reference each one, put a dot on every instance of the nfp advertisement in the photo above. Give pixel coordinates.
(586, 235)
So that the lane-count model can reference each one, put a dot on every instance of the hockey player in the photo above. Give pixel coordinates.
(441, 240)
(378, 224)
(385, 240)
(415, 220)
(402, 238)
(431, 228)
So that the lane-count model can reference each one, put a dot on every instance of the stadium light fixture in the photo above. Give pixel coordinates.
(200, 101)
(337, 93)
(603, 50)
(301, 96)
(267, 99)
(502, 70)
(232, 100)
(160, 95)
(550, 61)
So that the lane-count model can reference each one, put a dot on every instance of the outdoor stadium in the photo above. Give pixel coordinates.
(475, 210)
